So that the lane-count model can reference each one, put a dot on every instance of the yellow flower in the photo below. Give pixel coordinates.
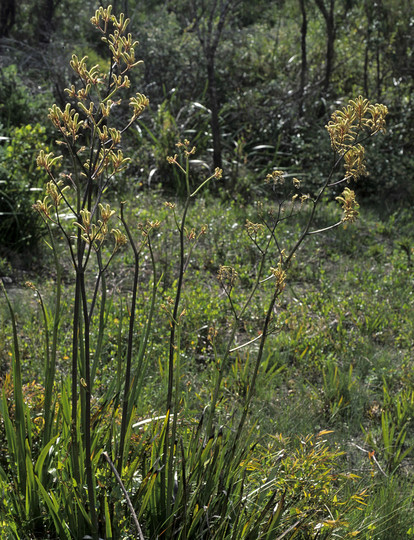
(359, 114)
(119, 237)
(276, 177)
(55, 192)
(106, 212)
(349, 205)
(139, 103)
(253, 229)
(280, 276)
(43, 207)
(227, 275)
(355, 162)
(47, 161)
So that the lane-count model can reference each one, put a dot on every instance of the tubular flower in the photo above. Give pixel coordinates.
(218, 173)
(358, 115)
(67, 121)
(186, 148)
(349, 205)
(280, 276)
(276, 177)
(359, 107)
(105, 15)
(47, 161)
(91, 76)
(227, 276)
(355, 162)
(119, 163)
(378, 113)
(139, 103)
(55, 192)
(344, 128)
(341, 129)
(172, 159)
(119, 237)
(43, 207)
(253, 228)
(106, 212)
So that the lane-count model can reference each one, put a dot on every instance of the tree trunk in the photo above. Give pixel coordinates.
(304, 62)
(330, 38)
(45, 14)
(209, 21)
(7, 17)
(214, 107)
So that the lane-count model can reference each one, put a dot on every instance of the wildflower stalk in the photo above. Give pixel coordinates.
(167, 471)
(89, 109)
(51, 370)
(127, 381)
(101, 280)
(344, 139)
(87, 392)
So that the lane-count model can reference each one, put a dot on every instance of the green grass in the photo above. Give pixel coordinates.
(343, 331)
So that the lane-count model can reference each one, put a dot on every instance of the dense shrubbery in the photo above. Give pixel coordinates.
(266, 116)
(22, 181)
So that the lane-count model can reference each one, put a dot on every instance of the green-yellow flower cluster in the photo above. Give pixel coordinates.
(351, 125)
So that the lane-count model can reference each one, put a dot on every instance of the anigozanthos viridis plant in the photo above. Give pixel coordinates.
(74, 205)
(348, 130)
(182, 161)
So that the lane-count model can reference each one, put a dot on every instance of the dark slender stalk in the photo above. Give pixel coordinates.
(176, 307)
(125, 406)
(77, 262)
(102, 281)
(86, 387)
(256, 367)
(74, 392)
(167, 469)
(51, 371)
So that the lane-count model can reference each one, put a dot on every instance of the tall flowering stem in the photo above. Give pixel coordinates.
(94, 149)
(182, 161)
(348, 129)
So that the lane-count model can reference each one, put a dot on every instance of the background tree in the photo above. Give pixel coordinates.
(304, 59)
(7, 16)
(328, 12)
(209, 20)
(44, 14)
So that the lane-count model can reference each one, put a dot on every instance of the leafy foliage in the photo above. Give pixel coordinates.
(21, 182)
